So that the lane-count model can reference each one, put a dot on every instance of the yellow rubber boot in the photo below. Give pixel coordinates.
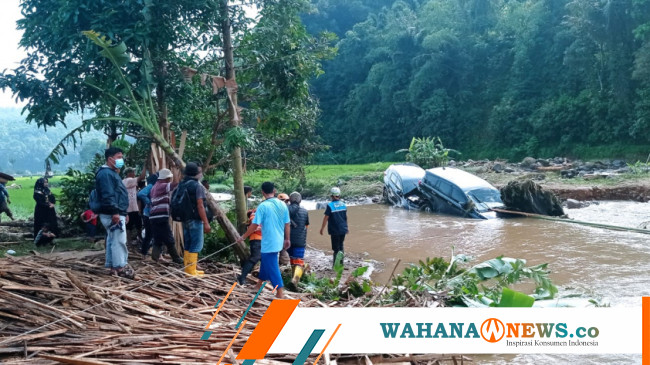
(195, 261)
(186, 262)
(297, 274)
(190, 258)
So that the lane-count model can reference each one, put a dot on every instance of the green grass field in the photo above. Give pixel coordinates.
(354, 180)
(22, 201)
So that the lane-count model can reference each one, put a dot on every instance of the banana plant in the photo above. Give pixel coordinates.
(138, 110)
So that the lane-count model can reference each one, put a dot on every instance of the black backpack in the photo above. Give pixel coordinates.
(182, 208)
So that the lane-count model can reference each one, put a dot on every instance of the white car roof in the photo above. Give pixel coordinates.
(464, 180)
(408, 171)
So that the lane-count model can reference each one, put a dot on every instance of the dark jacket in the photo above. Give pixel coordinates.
(338, 218)
(111, 192)
(299, 222)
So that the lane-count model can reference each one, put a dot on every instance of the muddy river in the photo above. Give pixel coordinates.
(610, 266)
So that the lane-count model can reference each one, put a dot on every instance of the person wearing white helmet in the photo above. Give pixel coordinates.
(336, 220)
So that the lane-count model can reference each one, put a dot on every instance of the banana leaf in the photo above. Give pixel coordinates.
(485, 270)
(511, 298)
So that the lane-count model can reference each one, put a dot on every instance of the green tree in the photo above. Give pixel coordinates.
(493, 78)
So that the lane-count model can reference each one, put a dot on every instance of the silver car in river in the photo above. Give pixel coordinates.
(453, 191)
(444, 190)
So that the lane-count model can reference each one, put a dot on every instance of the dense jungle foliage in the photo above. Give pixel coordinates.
(491, 78)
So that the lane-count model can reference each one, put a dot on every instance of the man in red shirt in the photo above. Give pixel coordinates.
(90, 218)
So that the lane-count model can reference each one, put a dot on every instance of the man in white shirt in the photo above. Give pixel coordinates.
(133, 211)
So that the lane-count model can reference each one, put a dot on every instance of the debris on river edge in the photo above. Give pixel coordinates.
(65, 309)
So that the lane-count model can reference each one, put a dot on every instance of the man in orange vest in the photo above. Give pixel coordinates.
(255, 241)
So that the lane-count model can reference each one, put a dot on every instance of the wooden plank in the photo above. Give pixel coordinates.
(23, 338)
(73, 361)
(47, 307)
(154, 156)
(181, 148)
(34, 289)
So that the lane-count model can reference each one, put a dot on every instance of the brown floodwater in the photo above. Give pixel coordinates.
(610, 266)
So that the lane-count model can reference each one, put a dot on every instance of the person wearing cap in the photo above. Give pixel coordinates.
(283, 198)
(161, 231)
(133, 211)
(198, 224)
(273, 216)
(144, 195)
(336, 220)
(299, 223)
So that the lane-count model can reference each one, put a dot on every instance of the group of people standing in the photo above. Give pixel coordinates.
(280, 224)
(116, 210)
(277, 225)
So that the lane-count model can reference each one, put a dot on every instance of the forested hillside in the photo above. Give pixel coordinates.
(24, 147)
(492, 78)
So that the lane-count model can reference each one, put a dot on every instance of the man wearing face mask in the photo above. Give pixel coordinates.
(114, 203)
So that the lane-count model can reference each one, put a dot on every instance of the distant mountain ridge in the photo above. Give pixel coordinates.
(24, 147)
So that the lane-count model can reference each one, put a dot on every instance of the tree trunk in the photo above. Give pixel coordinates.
(112, 132)
(224, 222)
(163, 142)
(237, 170)
(163, 122)
(231, 232)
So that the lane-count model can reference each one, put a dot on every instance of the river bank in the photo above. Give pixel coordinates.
(569, 179)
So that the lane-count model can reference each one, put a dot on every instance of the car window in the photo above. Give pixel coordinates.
(397, 181)
(431, 180)
(485, 195)
(445, 187)
(458, 195)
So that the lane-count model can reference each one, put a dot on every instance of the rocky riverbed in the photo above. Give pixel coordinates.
(569, 179)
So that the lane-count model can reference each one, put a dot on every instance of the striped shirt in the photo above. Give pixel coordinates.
(160, 199)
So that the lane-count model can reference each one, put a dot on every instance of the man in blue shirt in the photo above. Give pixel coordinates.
(336, 219)
(144, 196)
(273, 216)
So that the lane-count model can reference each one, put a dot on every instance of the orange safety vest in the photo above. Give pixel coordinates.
(257, 235)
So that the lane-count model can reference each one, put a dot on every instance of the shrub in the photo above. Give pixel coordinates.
(427, 152)
(76, 187)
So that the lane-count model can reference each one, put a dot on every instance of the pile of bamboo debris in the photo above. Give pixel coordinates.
(93, 318)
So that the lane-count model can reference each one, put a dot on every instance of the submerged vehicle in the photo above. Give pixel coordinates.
(453, 191)
(442, 190)
(401, 185)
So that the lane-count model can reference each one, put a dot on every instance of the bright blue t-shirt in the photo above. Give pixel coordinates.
(272, 214)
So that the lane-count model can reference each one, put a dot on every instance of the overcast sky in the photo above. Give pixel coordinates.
(10, 54)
